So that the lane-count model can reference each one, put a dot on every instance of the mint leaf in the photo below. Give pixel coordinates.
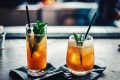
(75, 37)
(38, 28)
(79, 40)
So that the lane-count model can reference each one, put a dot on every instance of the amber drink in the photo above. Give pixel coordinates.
(36, 46)
(80, 58)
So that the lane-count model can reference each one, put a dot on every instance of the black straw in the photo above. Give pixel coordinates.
(90, 26)
(28, 18)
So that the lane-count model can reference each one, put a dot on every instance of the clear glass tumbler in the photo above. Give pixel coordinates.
(36, 47)
(80, 59)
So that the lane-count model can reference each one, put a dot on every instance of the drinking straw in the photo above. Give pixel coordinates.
(90, 26)
(28, 18)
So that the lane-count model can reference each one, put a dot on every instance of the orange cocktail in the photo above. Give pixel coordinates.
(80, 59)
(37, 60)
(36, 46)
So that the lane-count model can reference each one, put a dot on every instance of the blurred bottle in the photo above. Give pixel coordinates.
(49, 2)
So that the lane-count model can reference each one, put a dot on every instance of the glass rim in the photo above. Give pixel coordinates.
(86, 43)
(89, 37)
(31, 28)
(34, 24)
(38, 35)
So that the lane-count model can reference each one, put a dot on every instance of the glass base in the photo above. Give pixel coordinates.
(36, 73)
(80, 73)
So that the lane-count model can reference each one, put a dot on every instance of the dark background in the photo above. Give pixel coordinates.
(14, 3)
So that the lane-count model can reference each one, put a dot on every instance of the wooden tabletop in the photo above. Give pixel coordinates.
(106, 54)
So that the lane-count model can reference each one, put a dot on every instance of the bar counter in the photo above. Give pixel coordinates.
(106, 54)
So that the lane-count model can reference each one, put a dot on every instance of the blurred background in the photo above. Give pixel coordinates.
(63, 13)
(63, 17)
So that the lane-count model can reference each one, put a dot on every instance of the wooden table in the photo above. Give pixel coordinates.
(106, 54)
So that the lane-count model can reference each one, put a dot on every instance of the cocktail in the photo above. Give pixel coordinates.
(36, 45)
(80, 54)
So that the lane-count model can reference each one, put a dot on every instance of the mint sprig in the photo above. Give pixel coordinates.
(39, 27)
(39, 31)
(79, 39)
